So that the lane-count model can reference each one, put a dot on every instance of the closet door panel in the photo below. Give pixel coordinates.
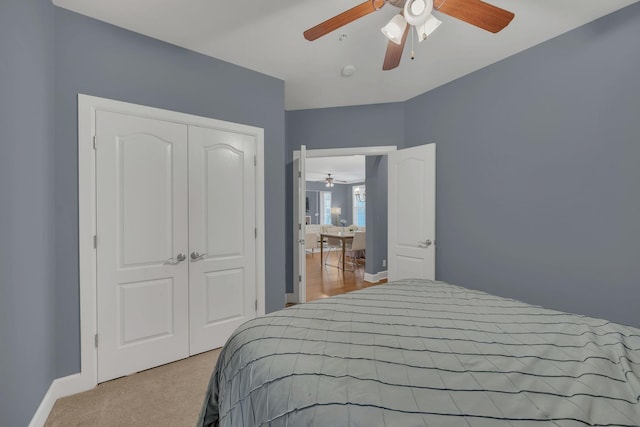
(142, 289)
(224, 168)
(222, 242)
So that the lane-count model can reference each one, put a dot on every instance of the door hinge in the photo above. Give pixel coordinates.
(95, 241)
(299, 226)
(255, 160)
(299, 278)
(299, 174)
(255, 232)
(256, 306)
(95, 339)
(95, 138)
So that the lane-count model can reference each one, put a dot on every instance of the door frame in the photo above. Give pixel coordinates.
(87, 106)
(300, 297)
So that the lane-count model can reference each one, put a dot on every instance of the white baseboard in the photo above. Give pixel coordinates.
(374, 278)
(291, 298)
(60, 387)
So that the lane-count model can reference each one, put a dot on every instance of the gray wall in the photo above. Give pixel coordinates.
(376, 170)
(27, 248)
(341, 127)
(340, 197)
(538, 183)
(314, 206)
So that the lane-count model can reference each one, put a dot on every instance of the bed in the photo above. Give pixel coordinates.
(425, 353)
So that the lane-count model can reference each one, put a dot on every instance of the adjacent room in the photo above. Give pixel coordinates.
(164, 205)
(335, 228)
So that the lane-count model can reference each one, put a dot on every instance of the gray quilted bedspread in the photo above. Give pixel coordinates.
(424, 353)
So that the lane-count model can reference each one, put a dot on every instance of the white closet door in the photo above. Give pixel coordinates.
(222, 242)
(142, 287)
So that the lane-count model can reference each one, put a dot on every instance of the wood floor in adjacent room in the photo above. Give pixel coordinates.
(325, 280)
(172, 395)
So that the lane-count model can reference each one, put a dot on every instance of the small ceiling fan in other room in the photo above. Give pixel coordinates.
(418, 14)
(329, 181)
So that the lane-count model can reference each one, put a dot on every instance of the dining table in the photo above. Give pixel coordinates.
(343, 237)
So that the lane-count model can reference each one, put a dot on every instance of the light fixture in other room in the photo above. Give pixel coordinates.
(395, 29)
(361, 195)
(328, 181)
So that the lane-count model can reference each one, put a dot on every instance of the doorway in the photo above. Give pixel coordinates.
(411, 227)
(300, 160)
(335, 201)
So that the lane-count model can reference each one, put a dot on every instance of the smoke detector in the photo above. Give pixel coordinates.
(348, 70)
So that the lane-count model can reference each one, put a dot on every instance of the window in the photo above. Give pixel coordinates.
(359, 205)
(325, 207)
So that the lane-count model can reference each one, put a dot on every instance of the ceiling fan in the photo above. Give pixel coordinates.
(416, 13)
(329, 181)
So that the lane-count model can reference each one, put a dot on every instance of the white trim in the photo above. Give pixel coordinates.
(87, 106)
(375, 278)
(86, 230)
(260, 224)
(60, 387)
(351, 151)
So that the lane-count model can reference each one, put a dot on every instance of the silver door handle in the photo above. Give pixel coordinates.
(195, 256)
(177, 260)
(425, 244)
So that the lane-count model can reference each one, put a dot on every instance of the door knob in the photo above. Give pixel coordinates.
(195, 256)
(177, 260)
(424, 244)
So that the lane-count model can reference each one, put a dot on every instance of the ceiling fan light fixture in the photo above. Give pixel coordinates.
(417, 12)
(395, 29)
(428, 27)
(328, 181)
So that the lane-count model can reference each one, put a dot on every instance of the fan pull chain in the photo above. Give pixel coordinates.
(413, 55)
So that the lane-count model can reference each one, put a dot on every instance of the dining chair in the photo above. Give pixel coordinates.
(356, 248)
(332, 243)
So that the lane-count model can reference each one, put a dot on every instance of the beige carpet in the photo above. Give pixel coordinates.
(170, 395)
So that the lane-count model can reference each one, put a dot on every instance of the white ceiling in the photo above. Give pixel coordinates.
(266, 36)
(350, 169)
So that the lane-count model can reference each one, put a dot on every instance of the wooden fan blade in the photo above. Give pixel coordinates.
(394, 52)
(343, 19)
(476, 12)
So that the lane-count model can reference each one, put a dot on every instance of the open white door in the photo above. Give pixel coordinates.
(299, 226)
(412, 213)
